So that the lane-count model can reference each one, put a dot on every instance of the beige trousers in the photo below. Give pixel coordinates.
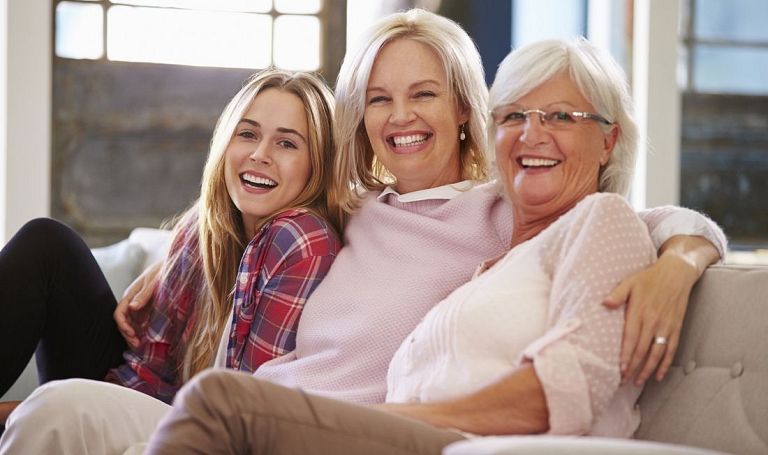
(225, 412)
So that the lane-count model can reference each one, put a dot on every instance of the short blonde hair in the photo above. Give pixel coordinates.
(599, 79)
(356, 167)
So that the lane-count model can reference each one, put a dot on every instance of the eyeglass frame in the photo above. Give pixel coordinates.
(581, 115)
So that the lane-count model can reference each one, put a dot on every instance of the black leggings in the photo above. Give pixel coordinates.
(54, 298)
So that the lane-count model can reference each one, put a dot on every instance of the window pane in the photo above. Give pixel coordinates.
(79, 31)
(298, 6)
(734, 19)
(254, 6)
(564, 19)
(297, 42)
(713, 69)
(202, 38)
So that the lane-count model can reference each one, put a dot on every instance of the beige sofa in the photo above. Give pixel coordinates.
(716, 394)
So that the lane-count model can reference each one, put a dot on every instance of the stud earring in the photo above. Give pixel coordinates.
(462, 135)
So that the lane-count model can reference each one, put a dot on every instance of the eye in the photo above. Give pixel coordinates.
(247, 134)
(378, 99)
(513, 118)
(285, 143)
(560, 117)
(425, 94)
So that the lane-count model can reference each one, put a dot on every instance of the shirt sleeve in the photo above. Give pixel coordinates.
(577, 359)
(274, 282)
(153, 367)
(668, 221)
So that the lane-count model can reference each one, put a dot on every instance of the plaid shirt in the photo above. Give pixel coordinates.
(278, 271)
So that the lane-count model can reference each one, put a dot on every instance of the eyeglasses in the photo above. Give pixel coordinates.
(557, 120)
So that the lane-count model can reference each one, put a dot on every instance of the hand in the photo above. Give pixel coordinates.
(6, 407)
(656, 302)
(132, 312)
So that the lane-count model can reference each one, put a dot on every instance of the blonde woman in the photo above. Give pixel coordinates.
(243, 261)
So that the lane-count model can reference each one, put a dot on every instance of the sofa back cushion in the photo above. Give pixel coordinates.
(716, 393)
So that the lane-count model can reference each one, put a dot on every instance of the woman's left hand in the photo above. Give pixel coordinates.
(656, 301)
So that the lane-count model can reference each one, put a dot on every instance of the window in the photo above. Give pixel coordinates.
(724, 153)
(218, 33)
(722, 36)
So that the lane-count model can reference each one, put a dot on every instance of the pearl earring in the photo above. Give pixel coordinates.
(462, 135)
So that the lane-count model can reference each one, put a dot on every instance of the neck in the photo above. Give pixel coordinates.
(527, 225)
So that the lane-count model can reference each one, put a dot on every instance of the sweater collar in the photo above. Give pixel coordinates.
(448, 192)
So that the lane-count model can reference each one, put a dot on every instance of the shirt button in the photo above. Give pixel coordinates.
(737, 369)
(243, 279)
(689, 367)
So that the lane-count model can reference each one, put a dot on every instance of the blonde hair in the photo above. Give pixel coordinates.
(220, 232)
(598, 77)
(356, 166)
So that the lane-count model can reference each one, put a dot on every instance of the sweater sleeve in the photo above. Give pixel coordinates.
(668, 221)
(577, 359)
(276, 276)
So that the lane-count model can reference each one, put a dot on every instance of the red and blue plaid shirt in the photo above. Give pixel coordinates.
(278, 271)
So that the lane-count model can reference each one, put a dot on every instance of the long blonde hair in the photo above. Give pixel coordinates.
(356, 167)
(220, 233)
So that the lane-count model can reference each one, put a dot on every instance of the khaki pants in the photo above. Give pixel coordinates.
(226, 412)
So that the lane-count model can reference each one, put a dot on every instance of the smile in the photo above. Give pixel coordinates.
(537, 162)
(258, 182)
(409, 140)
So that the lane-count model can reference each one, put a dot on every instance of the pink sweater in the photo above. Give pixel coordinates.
(399, 260)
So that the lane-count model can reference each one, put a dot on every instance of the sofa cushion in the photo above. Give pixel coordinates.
(716, 393)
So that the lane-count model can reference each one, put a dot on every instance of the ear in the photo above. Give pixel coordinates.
(609, 142)
(463, 113)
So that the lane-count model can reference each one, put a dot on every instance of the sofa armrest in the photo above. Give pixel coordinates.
(548, 445)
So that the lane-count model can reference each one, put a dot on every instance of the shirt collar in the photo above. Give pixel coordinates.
(448, 191)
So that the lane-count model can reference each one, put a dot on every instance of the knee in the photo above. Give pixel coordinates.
(43, 228)
(218, 390)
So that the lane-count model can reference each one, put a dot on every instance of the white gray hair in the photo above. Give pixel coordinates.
(600, 80)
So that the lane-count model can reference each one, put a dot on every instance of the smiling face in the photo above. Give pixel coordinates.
(546, 172)
(412, 118)
(267, 161)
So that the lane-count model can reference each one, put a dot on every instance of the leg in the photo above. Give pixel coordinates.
(224, 412)
(79, 416)
(53, 296)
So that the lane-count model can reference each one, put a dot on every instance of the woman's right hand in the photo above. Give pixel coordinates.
(133, 309)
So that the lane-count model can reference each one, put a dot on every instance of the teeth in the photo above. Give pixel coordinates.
(404, 141)
(538, 162)
(259, 180)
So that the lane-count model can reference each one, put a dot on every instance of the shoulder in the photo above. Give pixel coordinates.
(600, 205)
(302, 231)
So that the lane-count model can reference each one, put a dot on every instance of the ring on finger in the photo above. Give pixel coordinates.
(660, 340)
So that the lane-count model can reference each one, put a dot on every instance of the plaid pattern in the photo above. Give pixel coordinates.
(279, 269)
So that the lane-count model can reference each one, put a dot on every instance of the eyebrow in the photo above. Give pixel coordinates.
(280, 129)
(410, 87)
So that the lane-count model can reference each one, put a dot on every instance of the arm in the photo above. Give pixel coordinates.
(658, 296)
(6, 408)
(298, 253)
(132, 312)
(514, 405)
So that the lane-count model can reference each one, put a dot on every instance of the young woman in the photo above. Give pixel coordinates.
(243, 261)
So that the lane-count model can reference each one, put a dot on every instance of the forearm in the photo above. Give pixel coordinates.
(696, 252)
(514, 405)
(6, 407)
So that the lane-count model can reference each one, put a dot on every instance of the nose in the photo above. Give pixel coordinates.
(534, 132)
(262, 153)
(402, 112)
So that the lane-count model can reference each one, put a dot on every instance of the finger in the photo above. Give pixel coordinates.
(629, 342)
(655, 354)
(669, 356)
(124, 325)
(618, 296)
(641, 349)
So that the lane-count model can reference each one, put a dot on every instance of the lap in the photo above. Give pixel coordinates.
(260, 417)
(79, 416)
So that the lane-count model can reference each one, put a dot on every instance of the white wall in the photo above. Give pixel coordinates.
(25, 112)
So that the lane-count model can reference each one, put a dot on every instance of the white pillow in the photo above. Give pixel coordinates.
(121, 263)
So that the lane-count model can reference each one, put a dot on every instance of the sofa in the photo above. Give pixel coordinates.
(714, 399)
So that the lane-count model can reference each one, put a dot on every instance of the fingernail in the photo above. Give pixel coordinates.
(623, 367)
